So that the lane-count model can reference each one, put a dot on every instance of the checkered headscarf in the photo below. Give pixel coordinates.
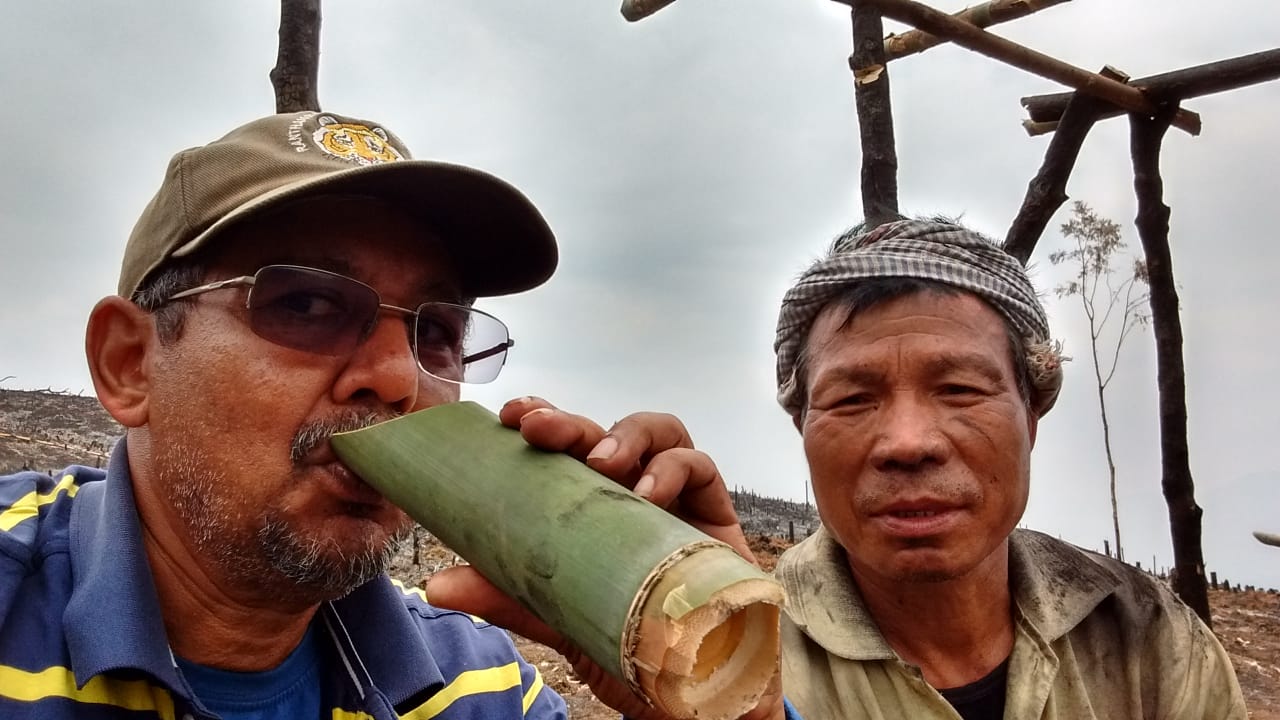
(927, 250)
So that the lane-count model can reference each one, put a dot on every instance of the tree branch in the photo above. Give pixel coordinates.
(1146, 136)
(875, 117)
(297, 69)
(985, 15)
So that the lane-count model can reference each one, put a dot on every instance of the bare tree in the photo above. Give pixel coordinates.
(1097, 241)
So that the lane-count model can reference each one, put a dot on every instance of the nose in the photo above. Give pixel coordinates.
(383, 371)
(908, 436)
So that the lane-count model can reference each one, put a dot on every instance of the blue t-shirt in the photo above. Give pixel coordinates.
(288, 691)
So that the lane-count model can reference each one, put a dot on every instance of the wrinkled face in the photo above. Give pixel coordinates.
(917, 439)
(238, 426)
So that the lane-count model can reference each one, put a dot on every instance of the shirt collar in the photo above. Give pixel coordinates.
(823, 600)
(386, 643)
(1054, 585)
(112, 620)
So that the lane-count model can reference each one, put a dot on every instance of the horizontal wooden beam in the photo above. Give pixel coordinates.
(983, 16)
(1183, 84)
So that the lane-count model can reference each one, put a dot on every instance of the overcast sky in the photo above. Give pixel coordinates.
(692, 165)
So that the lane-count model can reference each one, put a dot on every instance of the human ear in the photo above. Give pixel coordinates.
(117, 343)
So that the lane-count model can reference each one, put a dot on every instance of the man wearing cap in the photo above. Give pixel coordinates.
(916, 362)
(298, 277)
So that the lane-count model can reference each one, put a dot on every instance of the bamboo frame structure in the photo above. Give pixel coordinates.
(681, 618)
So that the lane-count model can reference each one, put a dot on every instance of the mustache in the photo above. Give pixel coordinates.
(316, 433)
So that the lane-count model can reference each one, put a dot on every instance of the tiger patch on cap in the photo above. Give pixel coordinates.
(359, 144)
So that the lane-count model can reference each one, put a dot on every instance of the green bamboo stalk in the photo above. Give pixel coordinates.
(677, 615)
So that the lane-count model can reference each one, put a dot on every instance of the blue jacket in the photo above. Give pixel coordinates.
(81, 635)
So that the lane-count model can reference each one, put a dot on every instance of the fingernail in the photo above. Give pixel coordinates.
(531, 413)
(645, 486)
(604, 449)
(520, 400)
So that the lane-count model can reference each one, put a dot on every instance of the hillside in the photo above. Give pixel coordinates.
(48, 431)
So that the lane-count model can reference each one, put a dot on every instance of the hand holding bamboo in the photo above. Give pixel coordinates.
(679, 617)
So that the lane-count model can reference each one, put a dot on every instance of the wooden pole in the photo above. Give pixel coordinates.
(983, 16)
(1177, 85)
(1267, 538)
(634, 10)
(297, 69)
(1145, 139)
(993, 46)
(1048, 189)
(875, 117)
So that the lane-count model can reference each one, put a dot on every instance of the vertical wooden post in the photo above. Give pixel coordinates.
(875, 117)
(297, 69)
(1145, 140)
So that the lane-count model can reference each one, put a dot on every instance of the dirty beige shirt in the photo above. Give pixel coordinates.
(1093, 639)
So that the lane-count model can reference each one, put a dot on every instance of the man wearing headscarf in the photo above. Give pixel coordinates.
(916, 361)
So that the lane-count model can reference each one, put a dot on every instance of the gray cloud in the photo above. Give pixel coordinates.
(691, 164)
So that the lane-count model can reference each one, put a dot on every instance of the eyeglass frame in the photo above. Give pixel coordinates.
(249, 281)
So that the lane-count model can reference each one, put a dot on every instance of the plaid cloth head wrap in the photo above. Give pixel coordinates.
(926, 250)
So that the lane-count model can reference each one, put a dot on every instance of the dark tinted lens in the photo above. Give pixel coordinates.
(460, 343)
(441, 333)
(310, 310)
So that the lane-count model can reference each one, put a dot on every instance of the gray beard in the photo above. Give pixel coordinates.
(264, 552)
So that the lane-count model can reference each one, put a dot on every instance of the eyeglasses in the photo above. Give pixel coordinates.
(330, 314)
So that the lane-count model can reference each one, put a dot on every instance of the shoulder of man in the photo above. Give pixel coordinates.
(35, 513)
(36, 580)
(1136, 619)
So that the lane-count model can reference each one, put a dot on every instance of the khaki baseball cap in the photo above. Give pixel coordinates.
(496, 236)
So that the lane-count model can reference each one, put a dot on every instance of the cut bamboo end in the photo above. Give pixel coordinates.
(707, 643)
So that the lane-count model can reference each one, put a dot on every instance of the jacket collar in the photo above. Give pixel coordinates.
(1055, 586)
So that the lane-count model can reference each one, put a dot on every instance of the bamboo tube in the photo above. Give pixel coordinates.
(680, 617)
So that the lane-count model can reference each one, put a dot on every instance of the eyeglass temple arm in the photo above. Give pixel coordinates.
(213, 286)
(489, 352)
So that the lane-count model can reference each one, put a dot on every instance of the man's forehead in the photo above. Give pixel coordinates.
(962, 317)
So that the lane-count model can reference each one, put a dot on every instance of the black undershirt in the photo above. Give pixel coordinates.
(981, 699)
